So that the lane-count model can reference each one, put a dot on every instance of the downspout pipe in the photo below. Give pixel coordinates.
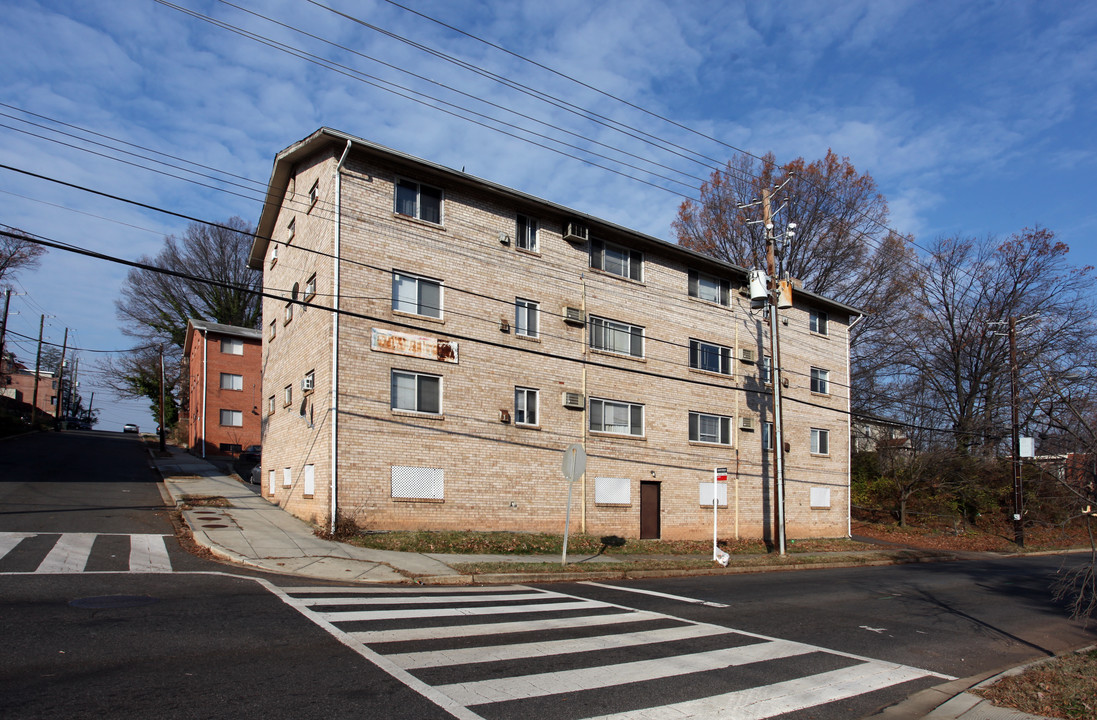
(335, 338)
(205, 371)
(849, 431)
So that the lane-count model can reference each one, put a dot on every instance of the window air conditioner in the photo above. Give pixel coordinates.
(576, 232)
(307, 383)
(573, 400)
(746, 423)
(573, 316)
(504, 325)
(504, 416)
(747, 355)
(504, 239)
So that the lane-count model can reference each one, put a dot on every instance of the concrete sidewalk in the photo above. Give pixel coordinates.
(254, 532)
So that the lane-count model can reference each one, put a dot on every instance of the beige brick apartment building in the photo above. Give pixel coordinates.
(478, 331)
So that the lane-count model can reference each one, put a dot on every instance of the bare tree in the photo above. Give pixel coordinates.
(17, 252)
(155, 306)
(842, 247)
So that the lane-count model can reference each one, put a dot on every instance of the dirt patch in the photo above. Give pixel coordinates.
(193, 501)
(1065, 687)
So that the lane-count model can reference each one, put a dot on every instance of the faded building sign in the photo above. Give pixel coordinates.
(399, 343)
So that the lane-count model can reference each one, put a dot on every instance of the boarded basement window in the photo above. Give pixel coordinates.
(704, 494)
(418, 483)
(612, 491)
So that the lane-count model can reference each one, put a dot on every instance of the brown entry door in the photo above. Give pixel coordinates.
(649, 510)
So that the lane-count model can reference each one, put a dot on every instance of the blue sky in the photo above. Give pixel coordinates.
(975, 118)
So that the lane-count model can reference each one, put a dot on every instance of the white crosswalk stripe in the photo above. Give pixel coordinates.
(72, 552)
(501, 652)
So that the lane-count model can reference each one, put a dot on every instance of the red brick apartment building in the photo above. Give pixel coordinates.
(18, 384)
(225, 382)
(442, 339)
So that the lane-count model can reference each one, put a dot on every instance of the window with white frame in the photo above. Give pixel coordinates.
(525, 237)
(416, 392)
(287, 396)
(270, 405)
(766, 367)
(713, 429)
(709, 287)
(709, 357)
(616, 337)
(288, 315)
(230, 381)
(310, 287)
(232, 346)
(817, 321)
(232, 418)
(525, 317)
(618, 418)
(273, 329)
(767, 436)
(273, 255)
(419, 201)
(287, 477)
(291, 230)
(820, 381)
(308, 383)
(525, 406)
(617, 260)
(314, 194)
(820, 441)
(416, 295)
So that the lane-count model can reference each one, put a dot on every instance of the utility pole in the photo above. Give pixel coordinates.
(775, 370)
(161, 433)
(1014, 397)
(37, 370)
(4, 327)
(57, 408)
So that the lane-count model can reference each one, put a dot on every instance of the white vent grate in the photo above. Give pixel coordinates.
(418, 483)
(612, 491)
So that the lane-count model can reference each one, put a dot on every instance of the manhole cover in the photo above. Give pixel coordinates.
(214, 525)
(105, 602)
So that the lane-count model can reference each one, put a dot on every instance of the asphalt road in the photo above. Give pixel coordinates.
(104, 615)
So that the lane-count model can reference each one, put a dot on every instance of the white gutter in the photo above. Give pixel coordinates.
(849, 433)
(335, 338)
(205, 369)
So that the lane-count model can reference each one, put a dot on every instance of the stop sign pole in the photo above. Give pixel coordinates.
(574, 465)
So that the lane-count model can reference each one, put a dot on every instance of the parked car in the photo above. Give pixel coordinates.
(252, 453)
(130, 428)
(255, 477)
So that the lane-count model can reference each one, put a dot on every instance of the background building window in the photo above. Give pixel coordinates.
(525, 406)
(820, 442)
(715, 429)
(310, 287)
(232, 418)
(618, 418)
(616, 337)
(767, 436)
(232, 382)
(817, 321)
(416, 392)
(419, 201)
(820, 381)
(525, 317)
(416, 295)
(232, 346)
(287, 396)
(767, 369)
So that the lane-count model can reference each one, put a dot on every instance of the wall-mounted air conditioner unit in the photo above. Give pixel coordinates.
(307, 382)
(504, 239)
(573, 316)
(576, 232)
(504, 416)
(573, 400)
(746, 423)
(747, 355)
(504, 325)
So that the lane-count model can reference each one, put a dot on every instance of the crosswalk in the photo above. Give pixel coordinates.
(519, 652)
(64, 553)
